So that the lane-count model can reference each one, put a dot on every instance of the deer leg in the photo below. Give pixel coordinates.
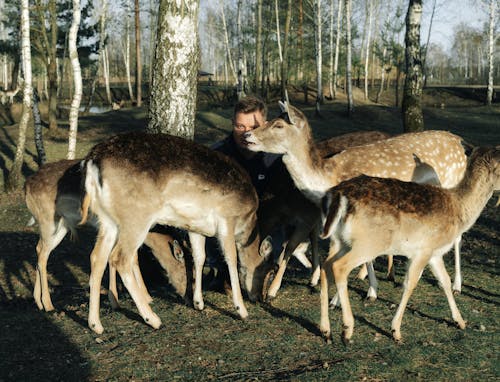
(413, 274)
(112, 290)
(229, 246)
(291, 245)
(198, 247)
(457, 282)
(363, 272)
(313, 238)
(98, 259)
(372, 279)
(140, 281)
(125, 264)
(439, 271)
(390, 268)
(44, 247)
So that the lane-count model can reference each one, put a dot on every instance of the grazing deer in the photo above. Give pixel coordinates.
(52, 197)
(133, 181)
(289, 207)
(390, 158)
(365, 217)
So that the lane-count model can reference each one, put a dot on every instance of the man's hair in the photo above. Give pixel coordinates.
(250, 104)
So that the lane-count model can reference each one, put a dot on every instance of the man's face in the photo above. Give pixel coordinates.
(244, 122)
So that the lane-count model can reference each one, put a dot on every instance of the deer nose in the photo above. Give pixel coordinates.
(247, 134)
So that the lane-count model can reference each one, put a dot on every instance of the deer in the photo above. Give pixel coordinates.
(133, 181)
(289, 207)
(392, 157)
(52, 197)
(421, 222)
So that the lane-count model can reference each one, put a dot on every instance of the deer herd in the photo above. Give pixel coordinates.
(370, 194)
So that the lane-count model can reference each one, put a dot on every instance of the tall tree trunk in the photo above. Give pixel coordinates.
(38, 128)
(368, 38)
(382, 75)
(126, 56)
(319, 57)
(330, 44)
(226, 41)
(350, 100)
(424, 59)
(14, 179)
(52, 67)
(413, 119)
(105, 72)
(284, 63)
(77, 80)
(241, 68)
(337, 48)
(300, 42)
(258, 50)
(491, 56)
(138, 64)
(173, 90)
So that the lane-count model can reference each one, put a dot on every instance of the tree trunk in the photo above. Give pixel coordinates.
(77, 80)
(258, 50)
(241, 69)
(14, 179)
(284, 63)
(38, 128)
(138, 64)
(350, 100)
(105, 72)
(319, 57)
(52, 67)
(330, 44)
(413, 119)
(126, 57)
(173, 90)
(368, 38)
(300, 42)
(491, 56)
(226, 41)
(337, 48)
(382, 75)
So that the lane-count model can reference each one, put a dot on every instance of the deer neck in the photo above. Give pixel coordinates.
(473, 193)
(308, 170)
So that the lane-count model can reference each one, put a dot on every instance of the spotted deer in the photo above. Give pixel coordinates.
(133, 181)
(389, 158)
(52, 196)
(365, 217)
(290, 208)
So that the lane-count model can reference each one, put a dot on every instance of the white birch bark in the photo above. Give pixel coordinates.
(226, 41)
(330, 61)
(491, 47)
(77, 80)
(368, 38)
(241, 66)
(337, 47)
(14, 178)
(105, 71)
(126, 54)
(350, 100)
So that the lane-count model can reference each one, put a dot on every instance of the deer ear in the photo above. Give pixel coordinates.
(266, 247)
(177, 251)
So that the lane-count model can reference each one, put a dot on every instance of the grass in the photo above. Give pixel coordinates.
(279, 341)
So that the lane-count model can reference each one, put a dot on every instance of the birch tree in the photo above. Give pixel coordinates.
(226, 41)
(77, 80)
(258, 49)
(318, 55)
(368, 39)
(138, 62)
(173, 89)
(491, 47)
(337, 47)
(126, 51)
(14, 179)
(350, 100)
(241, 68)
(413, 119)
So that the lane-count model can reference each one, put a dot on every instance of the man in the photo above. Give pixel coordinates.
(249, 113)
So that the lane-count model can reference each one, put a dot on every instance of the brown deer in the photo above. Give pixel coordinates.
(289, 207)
(133, 181)
(52, 196)
(390, 158)
(365, 217)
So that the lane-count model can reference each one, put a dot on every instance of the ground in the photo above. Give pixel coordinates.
(279, 341)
